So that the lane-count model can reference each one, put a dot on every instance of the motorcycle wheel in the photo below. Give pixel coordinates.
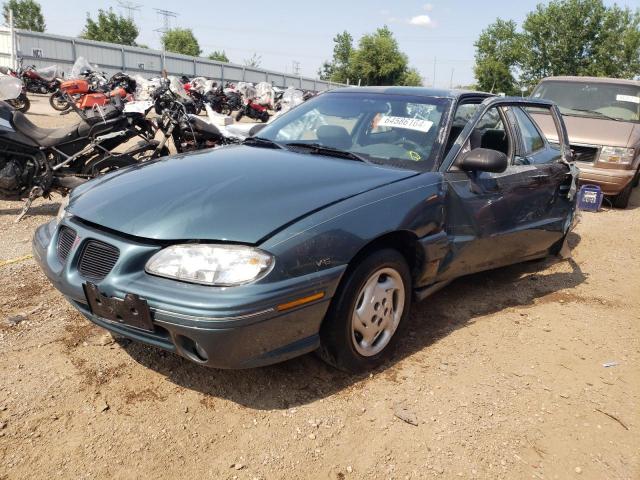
(58, 102)
(144, 151)
(226, 109)
(100, 166)
(239, 116)
(264, 117)
(22, 103)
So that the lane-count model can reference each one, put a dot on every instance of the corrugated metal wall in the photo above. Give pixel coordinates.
(43, 50)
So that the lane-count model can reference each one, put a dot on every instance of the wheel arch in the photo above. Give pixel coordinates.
(404, 241)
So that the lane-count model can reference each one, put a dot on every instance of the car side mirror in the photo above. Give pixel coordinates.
(484, 160)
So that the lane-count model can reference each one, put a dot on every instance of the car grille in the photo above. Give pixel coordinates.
(583, 153)
(97, 259)
(66, 237)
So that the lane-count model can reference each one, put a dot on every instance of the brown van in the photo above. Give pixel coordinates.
(603, 122)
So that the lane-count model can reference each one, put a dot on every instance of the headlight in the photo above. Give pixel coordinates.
(616, 155)
(64, 203)
(219, 265)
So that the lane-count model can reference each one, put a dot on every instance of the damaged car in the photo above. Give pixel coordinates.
(319, 232)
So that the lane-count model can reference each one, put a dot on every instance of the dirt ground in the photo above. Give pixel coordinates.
(530, 371)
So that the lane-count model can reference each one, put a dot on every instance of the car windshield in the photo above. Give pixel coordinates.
(599, 100)
(397, 130)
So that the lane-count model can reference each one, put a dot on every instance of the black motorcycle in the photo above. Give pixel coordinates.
(187, 131)
(221, 103)
(37, 161)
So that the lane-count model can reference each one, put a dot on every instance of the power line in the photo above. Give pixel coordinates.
(166, 15)
(130, 7)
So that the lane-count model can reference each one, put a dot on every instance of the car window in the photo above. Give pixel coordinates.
(464, 113)
(399, 130)
(531, 137)
(613, 101)
(490, 133)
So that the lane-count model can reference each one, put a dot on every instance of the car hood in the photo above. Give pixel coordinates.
(238, 194)
(593, 131)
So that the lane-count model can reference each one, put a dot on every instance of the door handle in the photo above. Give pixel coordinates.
(540, 178)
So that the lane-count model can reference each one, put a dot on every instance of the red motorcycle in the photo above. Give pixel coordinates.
(253, 110)
(87, 94)
(43, 80)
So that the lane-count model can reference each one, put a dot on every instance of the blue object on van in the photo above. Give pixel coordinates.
(590, 198)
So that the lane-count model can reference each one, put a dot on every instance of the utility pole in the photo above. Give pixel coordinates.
(130, 7)
(451, 81)
(435, 63)
(12, 32)
(166, 15)
(295, 67)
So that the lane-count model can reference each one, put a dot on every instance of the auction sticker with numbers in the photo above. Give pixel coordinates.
(405, 122)
(628, 98)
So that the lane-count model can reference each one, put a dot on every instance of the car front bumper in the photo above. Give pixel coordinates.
(611, 181)
(238, 327)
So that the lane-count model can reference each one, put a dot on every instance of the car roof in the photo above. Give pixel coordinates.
(417, 91)
(567, 78)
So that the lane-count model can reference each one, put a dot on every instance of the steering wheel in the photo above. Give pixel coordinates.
(413, 148)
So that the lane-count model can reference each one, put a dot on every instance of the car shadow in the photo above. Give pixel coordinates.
(307, 378)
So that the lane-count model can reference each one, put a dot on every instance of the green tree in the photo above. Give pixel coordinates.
(338, 70)
(563, 37)
(27, 15)
(181, 40)
(378, 60)
(110, 27)
(412, 78)
(219, 56)
(581, 37)
(498, 50)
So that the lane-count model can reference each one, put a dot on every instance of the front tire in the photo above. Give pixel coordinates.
(368, 313)
(622, 199)
(58, 102)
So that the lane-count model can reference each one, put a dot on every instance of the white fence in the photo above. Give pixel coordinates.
(44, 49)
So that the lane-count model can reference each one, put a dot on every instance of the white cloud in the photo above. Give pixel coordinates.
(421, 21)
(428, 7)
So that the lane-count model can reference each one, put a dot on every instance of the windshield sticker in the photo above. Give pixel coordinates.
(404, 122)
(628, 98)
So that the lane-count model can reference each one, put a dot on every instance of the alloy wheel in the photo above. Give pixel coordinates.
(378, 311)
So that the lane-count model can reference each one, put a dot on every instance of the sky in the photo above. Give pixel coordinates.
(438, 36)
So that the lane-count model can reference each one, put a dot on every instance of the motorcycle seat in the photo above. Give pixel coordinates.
(45, 137)
(204, 127)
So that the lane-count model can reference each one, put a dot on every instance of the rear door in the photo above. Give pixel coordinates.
(552, 178)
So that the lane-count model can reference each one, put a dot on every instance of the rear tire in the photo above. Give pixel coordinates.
(622, 199)
(368, 313)
(239, 116)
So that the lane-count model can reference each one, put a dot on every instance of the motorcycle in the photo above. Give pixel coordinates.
(43, 80)
(187, 131)
(253, 110)
(85, 81)
(21, 102)
(37, 161)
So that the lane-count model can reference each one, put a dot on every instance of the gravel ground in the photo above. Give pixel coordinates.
(501, 376)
